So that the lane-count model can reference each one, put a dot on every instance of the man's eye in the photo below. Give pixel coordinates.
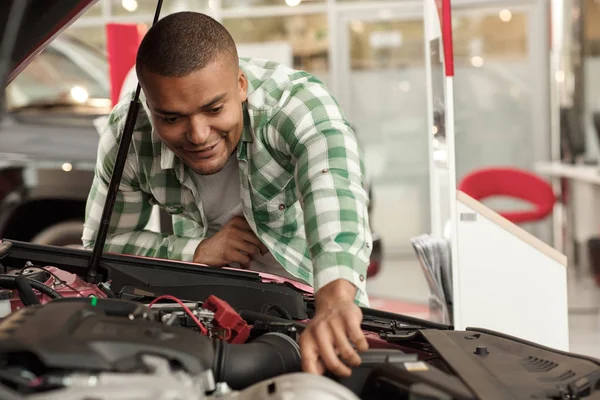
(215, 110)
(170, 120)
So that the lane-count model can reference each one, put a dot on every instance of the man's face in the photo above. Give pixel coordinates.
(199, 116)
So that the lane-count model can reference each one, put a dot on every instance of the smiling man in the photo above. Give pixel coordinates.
(259, 169)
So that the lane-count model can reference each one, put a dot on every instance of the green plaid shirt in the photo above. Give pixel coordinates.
(301, 173)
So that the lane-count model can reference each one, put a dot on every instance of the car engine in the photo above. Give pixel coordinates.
(100, 348)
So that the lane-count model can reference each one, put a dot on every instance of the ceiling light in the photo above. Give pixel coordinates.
(67, 167)
(129, 5)
(79, 94)
(505, 15)
(477, 61)
(293, 3)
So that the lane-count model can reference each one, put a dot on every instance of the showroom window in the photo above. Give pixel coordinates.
(306, 35)
(500, 35)
(386, 43)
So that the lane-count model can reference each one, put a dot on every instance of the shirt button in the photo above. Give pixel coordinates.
(282, 207)
(362, 278)
(325, 170)
(368, 245)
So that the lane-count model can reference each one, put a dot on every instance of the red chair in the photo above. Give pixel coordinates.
(514, 183)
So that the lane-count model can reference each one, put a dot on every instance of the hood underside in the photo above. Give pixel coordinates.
(42, 21)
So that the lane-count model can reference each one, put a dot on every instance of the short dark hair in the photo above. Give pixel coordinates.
(183, 42)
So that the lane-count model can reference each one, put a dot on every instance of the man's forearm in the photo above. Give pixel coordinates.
(150, 244)
(342, 266)
(339, 290)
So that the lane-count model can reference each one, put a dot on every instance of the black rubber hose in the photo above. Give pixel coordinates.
(26, 293)
(241, 365)
(252, 316)
(9, 282)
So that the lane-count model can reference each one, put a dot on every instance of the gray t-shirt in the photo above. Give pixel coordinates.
(221, 200)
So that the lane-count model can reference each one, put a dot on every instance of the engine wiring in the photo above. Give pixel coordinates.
(267, 308)
(185, 308)
(61, 281)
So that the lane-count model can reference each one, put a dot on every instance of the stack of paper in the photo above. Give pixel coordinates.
(433, 253)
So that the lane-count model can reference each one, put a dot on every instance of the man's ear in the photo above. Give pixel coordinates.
(243, 86)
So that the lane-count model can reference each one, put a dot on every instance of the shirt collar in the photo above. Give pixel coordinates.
(247, 130)
(167, 157)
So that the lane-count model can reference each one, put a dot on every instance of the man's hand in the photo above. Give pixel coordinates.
(234, 243)
(326, 340)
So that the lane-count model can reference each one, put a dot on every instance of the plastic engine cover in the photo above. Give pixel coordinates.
(100, 335)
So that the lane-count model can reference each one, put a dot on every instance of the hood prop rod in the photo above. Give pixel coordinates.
(115, 179)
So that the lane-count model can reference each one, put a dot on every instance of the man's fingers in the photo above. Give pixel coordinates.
(263, 248)
(246, 232)
(324, 337)
(236, 256)
(310, 354)
(248, 248)
(251, 238)
(320, 367)
(338, 327)
(355, 333)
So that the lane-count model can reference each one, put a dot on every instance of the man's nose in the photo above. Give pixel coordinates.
(199, 130)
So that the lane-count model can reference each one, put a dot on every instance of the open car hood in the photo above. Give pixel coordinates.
(42, 22)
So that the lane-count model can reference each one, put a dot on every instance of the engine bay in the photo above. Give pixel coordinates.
(125, 338)
(101, 348)
(162, 330)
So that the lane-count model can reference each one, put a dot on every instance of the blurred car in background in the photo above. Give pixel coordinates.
(49, 142)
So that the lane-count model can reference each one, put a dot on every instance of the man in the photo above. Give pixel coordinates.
(259, 169)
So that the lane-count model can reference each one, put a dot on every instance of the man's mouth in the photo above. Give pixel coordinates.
(205, 149)
(205, 152)
(209, 148)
